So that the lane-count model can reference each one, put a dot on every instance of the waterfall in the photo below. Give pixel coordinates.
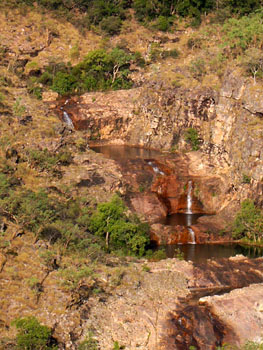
(67, 120)
(189, 197)
(192, 235)
(189, 212)
(155, 168)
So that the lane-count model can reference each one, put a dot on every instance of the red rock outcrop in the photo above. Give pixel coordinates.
(149, 206)
(172, 190)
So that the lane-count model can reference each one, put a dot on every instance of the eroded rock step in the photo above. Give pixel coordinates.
(233, 317)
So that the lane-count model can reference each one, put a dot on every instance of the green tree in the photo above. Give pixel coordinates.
(253, 62)
(64, 83)
(120, 60)
(242, 33)
(120, 232)
(248, 222)
(32, 335)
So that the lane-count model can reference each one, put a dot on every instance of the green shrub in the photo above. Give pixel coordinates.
(250, 345)
(72, 276)
(2, 98)
(192, 137)
(198, 68)
(248, 222)
(120, 231)
(74, 52)
(89, 343)
(45, 160)
(111, 25)
(242, 33)
(100, 70)
(64, 83)
(158, 255)
(46, 78)
(194, 43)
(32, 335)
(170, 53)
(163, 23)
(246, 179)
(18, 108)
(138, 59)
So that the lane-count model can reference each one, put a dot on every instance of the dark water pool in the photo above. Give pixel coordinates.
(181, 219)
(201, 252)
(193, 252)
(117, 152)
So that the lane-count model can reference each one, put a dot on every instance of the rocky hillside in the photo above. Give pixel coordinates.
(184, 94)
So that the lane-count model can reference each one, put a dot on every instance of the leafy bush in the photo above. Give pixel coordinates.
(100, 70)
(30, 209)
(45, 160)
(192, 137)
(89, 343)
(72, 276)
(248, 222)
(198, 68)
(163, 23)
(111, 25)
(194, 43)
(32, 335)
(18, 108)
(170, 53)
(120, 231)
(253, 62)
(250, 345)
(246, 179)
(64, 83)
(242, 33)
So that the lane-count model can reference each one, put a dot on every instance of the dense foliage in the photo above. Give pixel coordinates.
(32, 335)
(100, 70)
(249, 222)
(70, 223)
(120, 231)
(245, 32)
(108, 15)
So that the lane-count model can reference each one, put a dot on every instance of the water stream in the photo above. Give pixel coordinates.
(189, 212)
(191, 251)
(189, 197)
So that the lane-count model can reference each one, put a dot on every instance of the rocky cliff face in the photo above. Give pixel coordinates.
(228, 122)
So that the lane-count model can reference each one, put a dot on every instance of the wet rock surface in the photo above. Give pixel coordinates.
(210, 322)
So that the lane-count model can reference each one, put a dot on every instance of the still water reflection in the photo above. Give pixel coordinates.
(181, 219)
(117, 152)
(202, 252)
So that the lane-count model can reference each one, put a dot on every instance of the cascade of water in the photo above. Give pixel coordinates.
(192, 235)
(67, 120)
(155, 168)
(189, 197)
(189, 211)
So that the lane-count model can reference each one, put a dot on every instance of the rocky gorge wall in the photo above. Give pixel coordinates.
(229, 124)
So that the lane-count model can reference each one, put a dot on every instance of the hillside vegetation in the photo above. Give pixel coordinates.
(49, 230)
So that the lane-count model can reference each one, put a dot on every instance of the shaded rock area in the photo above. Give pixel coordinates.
(210, 322)
(90, 178)
(128, 298)
(150, 206)
(165, 315)
(163, 234)
(105, 116)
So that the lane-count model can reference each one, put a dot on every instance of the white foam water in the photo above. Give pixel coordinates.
(192, 236)
(67, 120)
(189, 197)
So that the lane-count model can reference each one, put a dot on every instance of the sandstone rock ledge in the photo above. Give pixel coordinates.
(242, 311)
